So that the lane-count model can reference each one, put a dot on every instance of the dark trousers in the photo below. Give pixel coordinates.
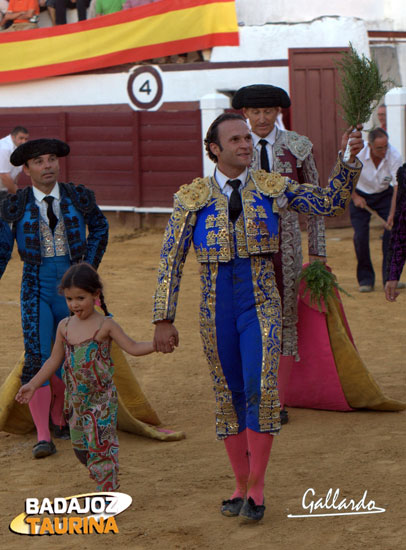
(360, 218)
(62, 5)
(3, 195)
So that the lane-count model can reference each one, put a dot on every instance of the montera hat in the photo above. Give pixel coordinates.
(37, 147)
(260, 95)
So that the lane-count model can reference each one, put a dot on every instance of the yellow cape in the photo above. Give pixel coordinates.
(135, 414)
(360, 389)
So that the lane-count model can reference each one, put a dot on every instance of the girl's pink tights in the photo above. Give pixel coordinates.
(39, 407)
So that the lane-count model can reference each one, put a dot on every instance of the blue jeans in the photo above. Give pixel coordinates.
(360, 218)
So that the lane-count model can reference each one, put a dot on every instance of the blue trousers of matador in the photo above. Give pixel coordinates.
(240, 322)
(42, 308)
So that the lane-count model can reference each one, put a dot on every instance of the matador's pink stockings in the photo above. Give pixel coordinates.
(237, 450)
(39, 407)
(259, 445)
(248, 453)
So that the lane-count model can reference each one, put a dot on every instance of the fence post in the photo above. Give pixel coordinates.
(211, 106)
(395, 101)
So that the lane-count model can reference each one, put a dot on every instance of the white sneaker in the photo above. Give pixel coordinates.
(366, 288)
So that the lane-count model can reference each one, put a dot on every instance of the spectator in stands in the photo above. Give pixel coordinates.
(62, 5)
(3, 9)
(49, 5)
(136, 3)
(22, 13)
(104, 7)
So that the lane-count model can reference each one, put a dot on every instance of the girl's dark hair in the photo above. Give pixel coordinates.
(84, 276)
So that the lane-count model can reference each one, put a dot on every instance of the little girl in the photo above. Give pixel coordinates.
(83, 342)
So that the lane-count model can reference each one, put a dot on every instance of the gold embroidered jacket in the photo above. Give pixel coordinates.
(200, 215)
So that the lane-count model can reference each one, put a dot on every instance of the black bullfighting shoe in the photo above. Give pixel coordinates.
(43, 449)
(251, 512)
(232, 507)
(284, 416)
(61, 432)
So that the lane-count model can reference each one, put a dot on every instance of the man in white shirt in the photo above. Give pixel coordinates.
(8, 172)
(376, 189)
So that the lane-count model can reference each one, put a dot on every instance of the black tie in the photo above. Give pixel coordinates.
(53, 220)
(264, 155)
(235, 205)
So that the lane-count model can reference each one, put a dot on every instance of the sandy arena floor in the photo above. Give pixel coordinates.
(177, 487)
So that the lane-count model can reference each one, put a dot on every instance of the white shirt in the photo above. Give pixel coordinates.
(6, 148)
(377, 179)
(270, 138)
(43, 205)
(222, 180)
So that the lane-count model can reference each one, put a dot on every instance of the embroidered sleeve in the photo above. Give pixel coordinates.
(316, 229)
(98, 228)
(6, 245)
(97, 238)
(397, 245)
(176, 244)
(329, 201)
(13, 206)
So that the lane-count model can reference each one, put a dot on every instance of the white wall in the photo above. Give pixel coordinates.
(273, 41)
(390, 13)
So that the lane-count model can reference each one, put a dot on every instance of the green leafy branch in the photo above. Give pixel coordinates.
(320, 283)
(362, 87)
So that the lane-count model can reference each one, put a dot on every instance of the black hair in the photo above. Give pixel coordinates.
(19, 130)
(212, 135)
(376, 133)
(85, 277)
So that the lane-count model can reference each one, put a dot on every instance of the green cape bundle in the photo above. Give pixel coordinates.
(320, 283)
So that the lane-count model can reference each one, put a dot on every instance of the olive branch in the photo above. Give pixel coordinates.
(362, 87)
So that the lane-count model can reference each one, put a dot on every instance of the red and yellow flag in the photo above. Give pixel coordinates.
(163, 28)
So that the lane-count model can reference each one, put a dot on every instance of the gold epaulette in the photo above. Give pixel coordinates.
(271, 185)
(195, 195)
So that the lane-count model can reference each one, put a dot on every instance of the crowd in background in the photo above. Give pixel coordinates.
(24, 14)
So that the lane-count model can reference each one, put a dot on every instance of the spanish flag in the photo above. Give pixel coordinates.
(162, 28)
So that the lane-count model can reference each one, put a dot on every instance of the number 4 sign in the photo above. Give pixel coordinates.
(145, 88)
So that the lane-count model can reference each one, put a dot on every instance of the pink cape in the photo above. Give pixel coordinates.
(314, 382)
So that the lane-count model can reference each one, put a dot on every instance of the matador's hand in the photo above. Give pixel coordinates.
(166, 336)
(354, 138)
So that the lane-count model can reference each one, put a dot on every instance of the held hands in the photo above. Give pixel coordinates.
(354, 138)
(25, 394)
(166, 337)
(390, 291)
